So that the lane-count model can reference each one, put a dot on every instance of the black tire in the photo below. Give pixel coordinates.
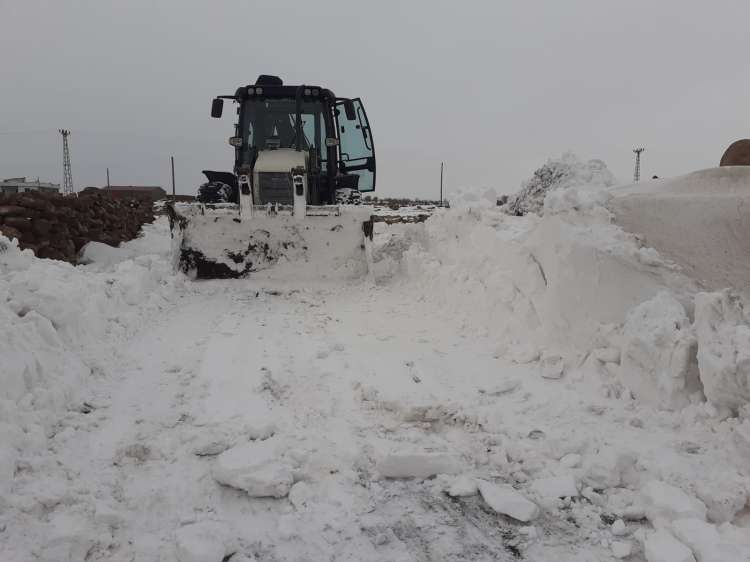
(215, 192)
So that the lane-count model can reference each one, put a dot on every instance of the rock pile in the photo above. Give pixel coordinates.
(57, 227)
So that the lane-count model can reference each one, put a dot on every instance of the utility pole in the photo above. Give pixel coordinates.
(174, 197)
(637, 173)
(107, 178)
(441, 184)
(67, 173)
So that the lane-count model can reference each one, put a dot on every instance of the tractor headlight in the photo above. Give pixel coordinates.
(307, 91)
(235, 141)
(250, 91)
(315, 92)
(259, 91)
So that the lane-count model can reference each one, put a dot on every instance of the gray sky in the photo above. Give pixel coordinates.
(491, 88)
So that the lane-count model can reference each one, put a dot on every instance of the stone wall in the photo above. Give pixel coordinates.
(57, 227)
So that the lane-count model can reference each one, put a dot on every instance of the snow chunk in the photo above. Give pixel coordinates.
(101, 254)
(609, 469)
(723, 349)
(522, 353)
(260, 430)
(661, 546)
(301, 495)
(658, 353)
(607, 354)
(571, 460)
(107, 515)
(618, 528)
(723, 499)
(552, 367)
(665, 503)
(504, 387)
(706, 542)
(741, 435)
(556, 487)
(463, 486)
(212, 441)
(621, 549)
(200, 542)
(507, 501)
(419, 464)
(69, 538)
(210, 446)
(256, 468)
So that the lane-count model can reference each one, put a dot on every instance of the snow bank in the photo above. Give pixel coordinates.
(50, 314)
(571, 287)
(696, 220)
(548, 282)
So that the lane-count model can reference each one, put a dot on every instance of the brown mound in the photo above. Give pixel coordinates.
(738, 154)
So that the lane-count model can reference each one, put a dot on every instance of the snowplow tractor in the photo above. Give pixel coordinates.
(302, 157)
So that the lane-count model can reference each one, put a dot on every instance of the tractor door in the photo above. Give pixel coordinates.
(357, 150)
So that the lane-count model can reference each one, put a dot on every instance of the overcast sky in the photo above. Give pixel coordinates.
(491, 88)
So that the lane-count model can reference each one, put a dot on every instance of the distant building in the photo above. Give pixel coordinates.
(152, 192)
(20, 185)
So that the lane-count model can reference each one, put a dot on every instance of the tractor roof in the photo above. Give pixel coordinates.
(269, 86)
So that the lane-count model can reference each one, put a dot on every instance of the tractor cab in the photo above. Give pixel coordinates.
(287, 132)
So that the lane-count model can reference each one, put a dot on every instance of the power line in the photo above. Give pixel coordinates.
(37, 132)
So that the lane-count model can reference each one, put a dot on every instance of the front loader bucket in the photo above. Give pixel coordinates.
(216, 243)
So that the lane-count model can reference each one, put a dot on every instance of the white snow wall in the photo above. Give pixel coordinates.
(552, 281)
(572, 283)
(51, 313)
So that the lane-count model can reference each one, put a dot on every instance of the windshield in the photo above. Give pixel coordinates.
(270, 123)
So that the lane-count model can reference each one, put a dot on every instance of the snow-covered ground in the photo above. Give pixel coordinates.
(535, 388)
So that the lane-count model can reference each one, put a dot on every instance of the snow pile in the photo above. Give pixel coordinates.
(539, 284)
(573, 291)
(658, 353)
(723, 332)
(50, 313)
(566, 172)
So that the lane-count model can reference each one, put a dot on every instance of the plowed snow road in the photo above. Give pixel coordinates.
(338, 378)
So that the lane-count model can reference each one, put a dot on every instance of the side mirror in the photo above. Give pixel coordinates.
(351, 114)
(217, 106)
